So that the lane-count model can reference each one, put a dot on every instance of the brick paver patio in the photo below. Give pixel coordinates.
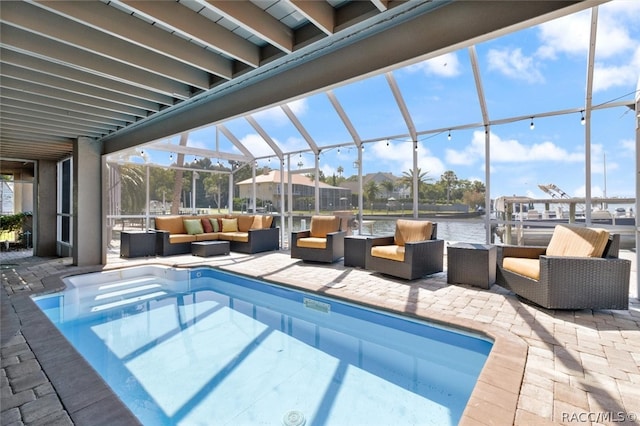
(547, 367)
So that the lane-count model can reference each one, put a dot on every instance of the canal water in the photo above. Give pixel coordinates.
(470, 230)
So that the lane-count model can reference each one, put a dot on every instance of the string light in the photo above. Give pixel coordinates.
(449, 136)
(387, 142)
(582, 120)
(415, 145)
(532, 126)
(171, 157)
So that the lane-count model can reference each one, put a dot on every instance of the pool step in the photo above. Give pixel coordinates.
(124, 292)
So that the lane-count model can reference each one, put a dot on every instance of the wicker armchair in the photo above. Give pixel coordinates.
(323, 242)
(569, 282)
(413, 252)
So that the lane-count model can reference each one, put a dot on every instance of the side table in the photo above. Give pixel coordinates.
(355, 247)
(470, 263)
(137, 243)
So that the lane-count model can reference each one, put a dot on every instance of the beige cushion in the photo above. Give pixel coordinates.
(410, 231)
(393, 252)
(245, 222)
(229, 225)
(323, 225)
(207, 236)
(577, 241)
(172, 224)
(181, 238)
(523, 266)
(312, 242)
(242, 237)
(262, 222)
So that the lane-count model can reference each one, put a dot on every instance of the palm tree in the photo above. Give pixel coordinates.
(407, 179)
(340, 170)
(449, 178)
(388, 185)
(371, 190)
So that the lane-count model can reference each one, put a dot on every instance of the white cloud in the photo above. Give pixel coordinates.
(399, 157)
(258, 147)
(446, 65)
(569, 34)
(628, 145)
(617, 52)
(276, 115)
(510, 151)
(514, 64)
(606, 76)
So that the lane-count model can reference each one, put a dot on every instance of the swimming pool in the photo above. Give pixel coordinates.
(203, 346)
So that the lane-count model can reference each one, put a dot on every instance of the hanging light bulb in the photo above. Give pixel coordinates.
(532, 126)
(171, 157)
(338, 150)
(582, 120)
(387, 142)
(415, 145)
(449, 135)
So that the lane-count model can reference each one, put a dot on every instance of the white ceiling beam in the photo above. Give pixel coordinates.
(235, 141)
(193, 25)
(46, 128)
(10, 109)
(255, 20)
(9, 93)
(298, 125)
(319, 13)
(199, 152)
(272, 144)
(62, 113)
(345, 118)
(79, 76)
(116, 23)
(62, 95)
(381, 5)
(48, 49)
(77, 88)
(402, 105)
(479, 86)
(32, 18)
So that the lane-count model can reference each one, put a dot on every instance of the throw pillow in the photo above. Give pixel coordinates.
(215, 224)
(206, 225)
(193, 226)
(230, 225)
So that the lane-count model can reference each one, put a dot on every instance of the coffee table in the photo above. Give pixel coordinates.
(210, 248)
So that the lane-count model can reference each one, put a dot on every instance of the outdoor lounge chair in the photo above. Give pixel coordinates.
(323, 242)
(413, 252)
(580, 269)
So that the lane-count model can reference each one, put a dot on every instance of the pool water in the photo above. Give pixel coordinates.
(205, 347)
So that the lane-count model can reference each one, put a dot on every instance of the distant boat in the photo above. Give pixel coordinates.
(520, 222)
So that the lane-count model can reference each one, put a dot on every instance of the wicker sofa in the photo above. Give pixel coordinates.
(580, 269)
(413, 252)
(245, 233)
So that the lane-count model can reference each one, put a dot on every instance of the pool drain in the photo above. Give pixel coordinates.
(293, 418)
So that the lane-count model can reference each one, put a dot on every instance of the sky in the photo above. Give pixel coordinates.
(523, 74)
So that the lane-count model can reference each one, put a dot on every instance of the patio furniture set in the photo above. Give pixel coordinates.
(579, 269)
(203, 235)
